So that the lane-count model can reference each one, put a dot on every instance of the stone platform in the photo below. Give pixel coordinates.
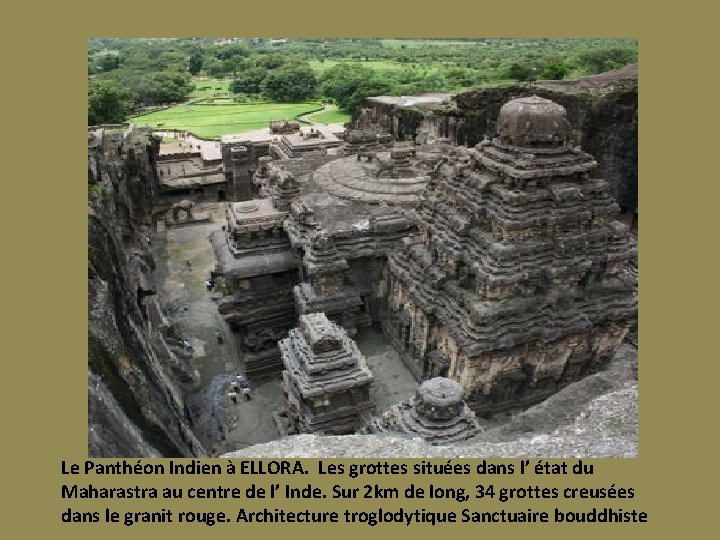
(350, 178)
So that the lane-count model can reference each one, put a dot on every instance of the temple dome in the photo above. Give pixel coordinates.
(533, 122)
(439, 398)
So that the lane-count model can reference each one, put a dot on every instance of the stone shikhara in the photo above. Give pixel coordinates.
(326, 380)
(512, 285)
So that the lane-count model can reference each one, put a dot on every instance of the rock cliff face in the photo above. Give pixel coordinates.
(603, 108)
(135, 406)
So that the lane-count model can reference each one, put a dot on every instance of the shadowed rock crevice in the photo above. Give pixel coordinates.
(128, 357)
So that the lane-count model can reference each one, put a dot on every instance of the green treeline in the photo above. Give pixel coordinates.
(127, 75)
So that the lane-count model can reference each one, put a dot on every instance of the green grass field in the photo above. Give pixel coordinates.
(215, 120)
(378, 65)
(333, 116)
(211, 88)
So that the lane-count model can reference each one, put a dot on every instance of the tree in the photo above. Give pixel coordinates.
(289, 84)
(156, 87)
(108, 102)
(554, 68)
(236, 64)
(371, 87)
(109, 61)
(195, 62)
(227, 52)
(271, 61)
(214, 67)
(458, 76)
(520, 72)
(248, 81)
(341, 81)
(599, 60)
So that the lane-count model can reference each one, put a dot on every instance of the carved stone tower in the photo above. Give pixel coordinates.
(513, 284)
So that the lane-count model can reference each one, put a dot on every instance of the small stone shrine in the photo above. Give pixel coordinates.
(301, 143)
(326, 381)
(437, 413)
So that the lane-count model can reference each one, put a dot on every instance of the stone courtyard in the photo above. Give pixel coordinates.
(195, 310)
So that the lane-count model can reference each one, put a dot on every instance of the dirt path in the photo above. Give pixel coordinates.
(306, 117)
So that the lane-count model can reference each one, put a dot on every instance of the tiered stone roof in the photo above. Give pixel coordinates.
(518, 251)
(326, 379)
